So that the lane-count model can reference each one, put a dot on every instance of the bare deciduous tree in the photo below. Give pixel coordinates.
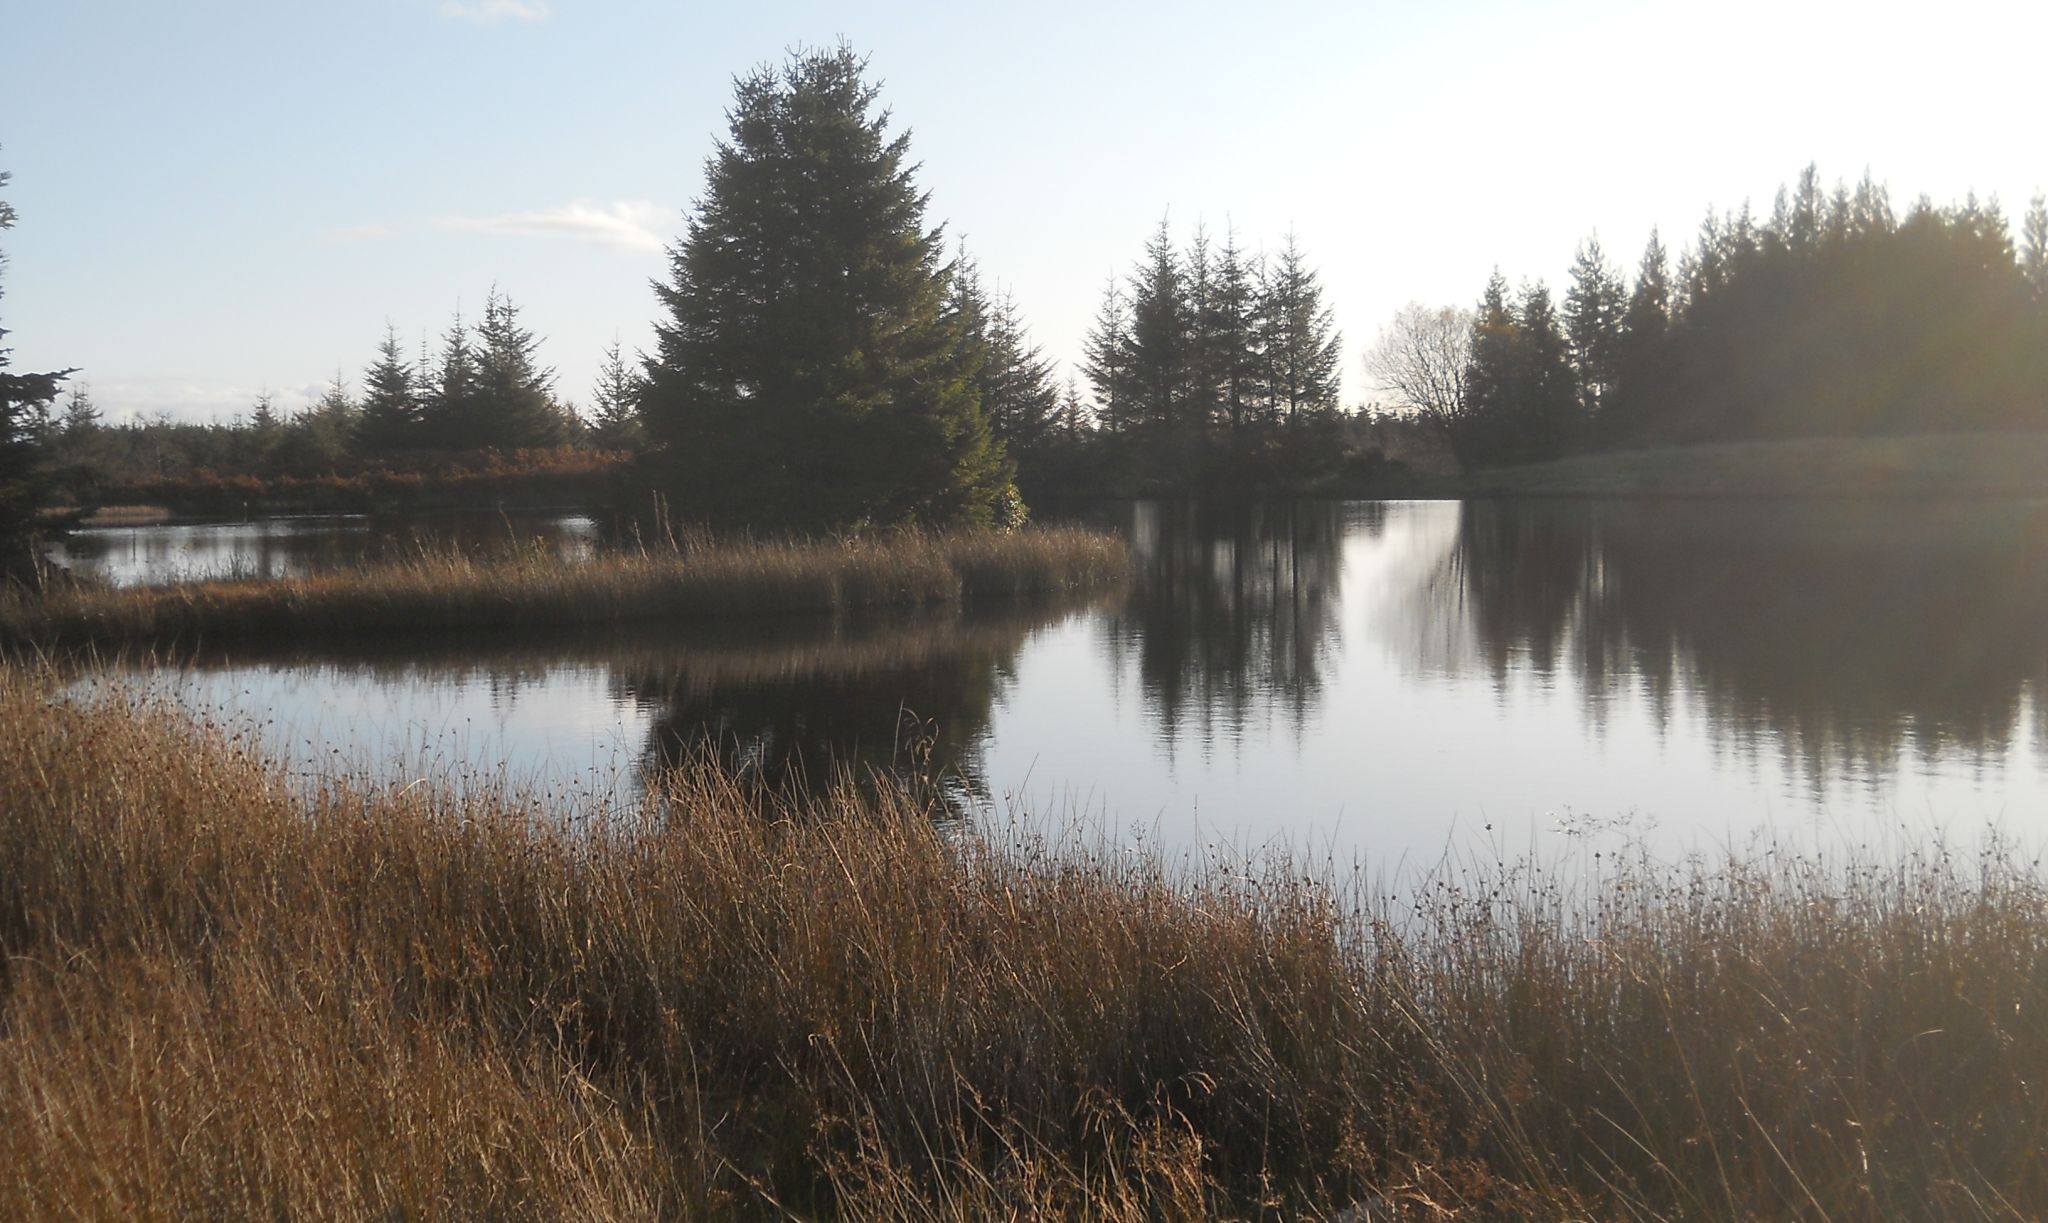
(1421, 356)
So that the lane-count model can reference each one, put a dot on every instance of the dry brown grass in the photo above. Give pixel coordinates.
(223, 998)
(447, 589)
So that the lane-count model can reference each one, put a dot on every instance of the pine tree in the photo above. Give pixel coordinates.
(322, 435)
(1552, 416)
(1105, 360)
(22, 397)
(389, 422)
(1206, 354)
(450, 414)
(1016, 383)
(1484, 434)
(263, 417)
(1159, 345)
(616, 397)
(515, 405)
(1300, 344)
(1232, 332)
(1593, 309)
(81, 415)
(807, 372)
(1642, 369)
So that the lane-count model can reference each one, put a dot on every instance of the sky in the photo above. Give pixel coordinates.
(219, 199)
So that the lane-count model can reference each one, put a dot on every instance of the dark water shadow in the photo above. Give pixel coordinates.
(1848, 637)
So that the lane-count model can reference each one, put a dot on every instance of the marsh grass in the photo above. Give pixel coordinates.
(441, 589)
(224, 998)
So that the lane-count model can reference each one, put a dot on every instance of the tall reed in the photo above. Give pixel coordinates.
(449, 589)
(222, 997)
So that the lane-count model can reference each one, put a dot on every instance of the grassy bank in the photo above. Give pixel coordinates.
(568, 476)
(223, 998)
(1927, 466)
(450, 590)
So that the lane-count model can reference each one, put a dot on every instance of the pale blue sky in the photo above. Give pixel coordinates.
(219, 197)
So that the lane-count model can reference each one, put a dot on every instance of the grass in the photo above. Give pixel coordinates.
(112, 515)
(1935, 465)
(446, 589)
(223, 997)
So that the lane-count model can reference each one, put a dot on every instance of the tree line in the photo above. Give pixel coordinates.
(825, 357)
(1833, 316)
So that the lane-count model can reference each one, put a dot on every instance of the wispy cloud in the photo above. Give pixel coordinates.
(633, 225)
(626, 225)
(494, 10)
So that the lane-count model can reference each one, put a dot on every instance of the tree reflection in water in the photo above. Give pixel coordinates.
(910, 700)
(1233, 610)
(1842, 635)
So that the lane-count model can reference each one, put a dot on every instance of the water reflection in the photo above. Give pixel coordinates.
(291, 546)
(781, 700)
(1233, 610)
(1372, 676)
(1847, 637)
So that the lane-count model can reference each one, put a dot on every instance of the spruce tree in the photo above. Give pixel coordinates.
(1158, 346)
(23, 398)
(1593, 309)
(616, 397)
(1105, 359)
(1300, 343)
(515, 407)
(389, 422)
(1484, 434)
(807, 372)
(1550, 416)
(450, 414)
(81, 415)
(1642, 367)
(1231, 330)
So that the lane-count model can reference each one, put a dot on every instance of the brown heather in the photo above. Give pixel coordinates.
(223, 997)
(697, 579)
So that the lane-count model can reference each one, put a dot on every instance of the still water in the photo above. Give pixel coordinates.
(1389, 680)
(292, 545)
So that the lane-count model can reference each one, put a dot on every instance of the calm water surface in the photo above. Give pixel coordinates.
(289, 546)
(1358, 678)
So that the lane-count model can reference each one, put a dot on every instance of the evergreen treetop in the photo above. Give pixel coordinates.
(807, 369)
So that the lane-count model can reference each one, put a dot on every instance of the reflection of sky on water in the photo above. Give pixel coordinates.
(287, 547)
(1388, 679)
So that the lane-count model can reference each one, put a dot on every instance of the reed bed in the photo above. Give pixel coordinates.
(222, 997)
(448, 589)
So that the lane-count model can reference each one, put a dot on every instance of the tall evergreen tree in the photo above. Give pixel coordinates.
(616, 397)
(1552, 418)
(1206, 354)
(1231, 331)
(1593, 311)
(1159, 346)
(81, 415)
(1105, 360)
(515, 403)
(1300, 343)
(22, 398)
(807, 371)
(451, 411)
(1642, 369)
(1483, 433)
(1016, 382)
(389, 422)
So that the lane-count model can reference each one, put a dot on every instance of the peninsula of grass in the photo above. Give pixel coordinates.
(227, 995)
(700, 580)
